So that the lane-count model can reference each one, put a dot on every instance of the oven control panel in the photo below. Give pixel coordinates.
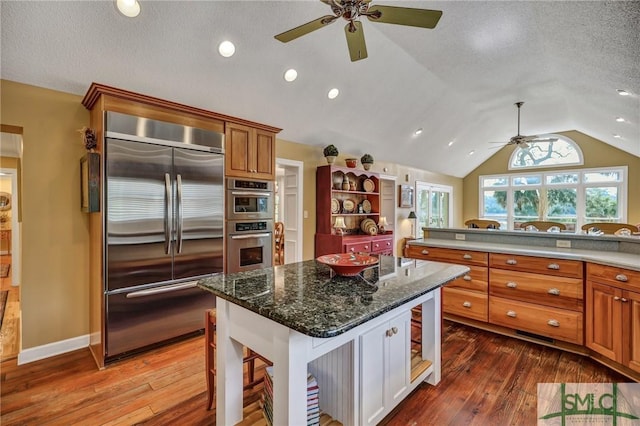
(251, 226)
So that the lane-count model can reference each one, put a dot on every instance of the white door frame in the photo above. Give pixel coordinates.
(299, 166)
(15, 226)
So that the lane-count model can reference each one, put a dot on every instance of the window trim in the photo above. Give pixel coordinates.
(581, 187)
(570, 141)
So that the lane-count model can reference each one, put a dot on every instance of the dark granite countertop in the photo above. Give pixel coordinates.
(309, 298)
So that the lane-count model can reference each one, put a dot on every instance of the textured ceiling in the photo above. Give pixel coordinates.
(458, 81)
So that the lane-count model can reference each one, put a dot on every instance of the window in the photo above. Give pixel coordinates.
(433, 205)
(572, 197)
(557, 151)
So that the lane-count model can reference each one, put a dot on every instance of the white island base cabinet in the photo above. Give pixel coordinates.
(362, 374)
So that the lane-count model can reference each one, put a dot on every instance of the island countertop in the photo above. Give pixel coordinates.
(309, 298)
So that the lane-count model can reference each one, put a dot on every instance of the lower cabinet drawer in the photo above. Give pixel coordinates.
(557, 292)
(466, 303)
(364, 247)
(476, 279)
(382, 245)
(555, 323)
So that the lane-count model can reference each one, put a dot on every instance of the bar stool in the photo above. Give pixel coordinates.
(210, 358)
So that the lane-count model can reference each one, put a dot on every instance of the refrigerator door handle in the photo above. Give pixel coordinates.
(160, 290)
(167, 215)
(179, 208)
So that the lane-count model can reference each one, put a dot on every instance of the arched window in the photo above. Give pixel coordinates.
(558, 151)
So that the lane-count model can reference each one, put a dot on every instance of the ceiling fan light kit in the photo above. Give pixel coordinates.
(351, 10)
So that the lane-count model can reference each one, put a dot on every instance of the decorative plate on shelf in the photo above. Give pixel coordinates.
(335, 206)
(368, 185)
(366, 206)
(348, 205)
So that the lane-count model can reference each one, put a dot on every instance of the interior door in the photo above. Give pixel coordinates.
(138, 213)
(199, 213)
(290, 218)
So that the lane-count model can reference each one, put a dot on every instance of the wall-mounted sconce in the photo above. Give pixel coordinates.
(412, 216)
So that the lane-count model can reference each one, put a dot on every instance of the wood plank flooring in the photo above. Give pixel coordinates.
(487, 379)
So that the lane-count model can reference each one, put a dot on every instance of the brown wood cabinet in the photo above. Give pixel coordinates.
(249, 152)
(360, 201)
(538, 295)
(465, 296)
(613, 314)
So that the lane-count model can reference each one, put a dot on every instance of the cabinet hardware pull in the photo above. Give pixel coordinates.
(467, 278)
(622, 277)
(425, 251)
(467, 304)
(511, 284)
(512, 262)
(554, 291)
(512, 314)
(353, 249)
(377, 245)
(389, 333)
(553, 266)
(388, 243)
(394, 330)
(553, 323)
(366, 247)
(467, 257)
(623, 300)
(616, 298)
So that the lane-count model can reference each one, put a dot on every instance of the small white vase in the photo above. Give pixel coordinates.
(330, 159)
(367, 166)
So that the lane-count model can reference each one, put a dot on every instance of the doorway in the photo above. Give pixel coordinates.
(288, 210)
(10, 223)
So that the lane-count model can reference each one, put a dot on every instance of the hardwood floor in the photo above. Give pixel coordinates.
(487, 379)
(10, 331)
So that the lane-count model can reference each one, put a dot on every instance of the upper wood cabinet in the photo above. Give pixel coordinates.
(249, 152)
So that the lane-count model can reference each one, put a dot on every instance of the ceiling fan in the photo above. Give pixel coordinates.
(351, 10)
(521, 140)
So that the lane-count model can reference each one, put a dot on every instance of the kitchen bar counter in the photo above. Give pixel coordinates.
(352, 333)
(611, 258)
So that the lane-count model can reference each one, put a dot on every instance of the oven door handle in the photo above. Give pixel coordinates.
(247, 236)
(256, 194)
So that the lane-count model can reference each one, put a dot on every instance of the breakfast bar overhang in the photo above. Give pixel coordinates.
(352, 333)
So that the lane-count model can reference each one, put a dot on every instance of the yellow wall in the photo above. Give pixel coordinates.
(55, 294)
(596, 154)
(55, 236)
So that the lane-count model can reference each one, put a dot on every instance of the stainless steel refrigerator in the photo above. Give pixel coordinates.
(164, 229)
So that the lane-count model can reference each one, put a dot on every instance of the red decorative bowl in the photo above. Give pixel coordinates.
(348, 264)
(351, 162)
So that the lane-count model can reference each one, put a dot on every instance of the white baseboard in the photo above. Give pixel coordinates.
(52, 349)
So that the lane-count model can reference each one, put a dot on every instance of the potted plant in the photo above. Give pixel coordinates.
(330, 153)
(367, 161)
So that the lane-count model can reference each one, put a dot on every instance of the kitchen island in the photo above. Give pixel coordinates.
(352, 333)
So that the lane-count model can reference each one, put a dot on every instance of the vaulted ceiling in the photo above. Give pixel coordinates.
(458, 82)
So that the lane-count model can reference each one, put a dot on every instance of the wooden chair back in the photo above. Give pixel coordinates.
(610, 228)
(482, 223)
(543, 225)
(278, 241)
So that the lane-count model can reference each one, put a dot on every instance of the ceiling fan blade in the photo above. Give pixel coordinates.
(537, 139)
(355, 41)
(303, 29)
(423, 18)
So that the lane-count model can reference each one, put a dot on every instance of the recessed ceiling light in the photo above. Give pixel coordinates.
(290, 75)
(620, 119)
(622, 92)
(226, 49)
(472, 152)
(617, 136)
(333, 93)
(451, 143)
(417, 132)
(129, 8)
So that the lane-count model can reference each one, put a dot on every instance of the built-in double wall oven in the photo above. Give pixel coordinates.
(249, 227)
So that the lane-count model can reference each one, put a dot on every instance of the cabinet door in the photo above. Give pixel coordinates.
(399, 365)
(238, 146)
(372, 374)
(264, 152)
(631, 318)
(604, 331)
